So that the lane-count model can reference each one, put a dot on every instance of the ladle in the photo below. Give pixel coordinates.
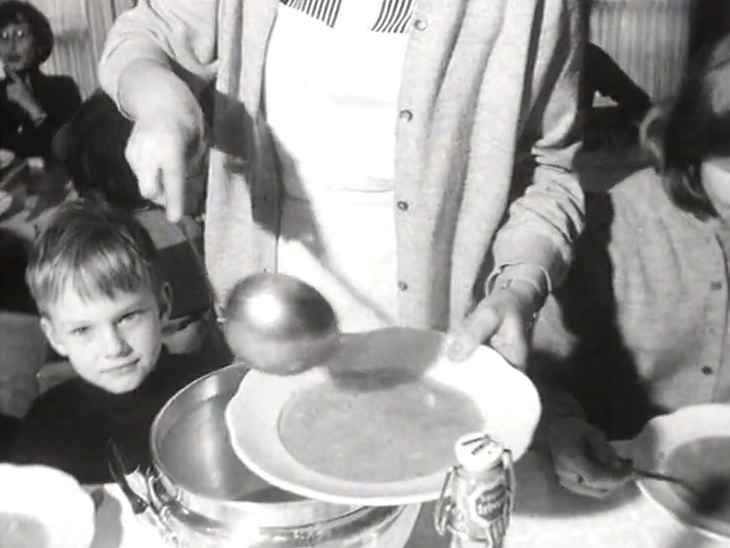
(279, 324)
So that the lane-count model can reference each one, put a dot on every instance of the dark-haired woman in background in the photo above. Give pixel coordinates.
(32, 105)
(640, 326)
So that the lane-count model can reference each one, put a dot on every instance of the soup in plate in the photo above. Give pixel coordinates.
(704, 464)
(396, 433)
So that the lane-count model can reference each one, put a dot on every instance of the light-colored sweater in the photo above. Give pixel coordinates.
(487, 109)
(640, 325)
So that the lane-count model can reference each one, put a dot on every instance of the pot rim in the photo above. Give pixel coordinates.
(226, 380)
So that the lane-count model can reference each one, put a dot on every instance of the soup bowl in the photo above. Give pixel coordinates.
(207, 497)
(693, 445)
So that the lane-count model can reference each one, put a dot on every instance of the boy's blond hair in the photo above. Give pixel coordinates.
(98, 250)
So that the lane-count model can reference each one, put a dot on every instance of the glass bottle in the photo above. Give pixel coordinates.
(477, 498)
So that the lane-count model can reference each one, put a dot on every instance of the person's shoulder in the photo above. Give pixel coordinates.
(63, 408)
(59, 90)
(58, 82)
(644, 181)
(58, 400)
(187, 367)
(641, 199)
(162, 231)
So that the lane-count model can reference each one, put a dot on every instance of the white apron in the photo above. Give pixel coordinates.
(331, 103)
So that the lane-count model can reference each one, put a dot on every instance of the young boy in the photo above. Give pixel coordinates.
(102, 305)
(91, 146)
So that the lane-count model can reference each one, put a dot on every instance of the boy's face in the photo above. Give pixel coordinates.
(111, 343)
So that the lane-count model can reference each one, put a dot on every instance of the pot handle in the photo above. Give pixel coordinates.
(168, 508)
(126, 477)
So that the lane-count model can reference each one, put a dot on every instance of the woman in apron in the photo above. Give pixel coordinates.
(410, 159)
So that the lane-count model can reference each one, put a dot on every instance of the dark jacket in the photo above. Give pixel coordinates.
(69, 426)
(58, 95)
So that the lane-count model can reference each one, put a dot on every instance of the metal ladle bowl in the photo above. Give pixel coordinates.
(279, 324)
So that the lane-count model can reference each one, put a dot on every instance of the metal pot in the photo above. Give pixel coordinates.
(207, 497)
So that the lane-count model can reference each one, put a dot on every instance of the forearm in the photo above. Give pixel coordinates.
(544, 221)
(35, 111)
(148, 89)
(159, 55)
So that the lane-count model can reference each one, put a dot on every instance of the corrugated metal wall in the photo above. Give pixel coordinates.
(649, 39)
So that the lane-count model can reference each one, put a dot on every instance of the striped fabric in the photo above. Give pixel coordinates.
(393, 17)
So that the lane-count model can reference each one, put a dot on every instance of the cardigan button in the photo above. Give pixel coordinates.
(403, 286)
(403, 205)
(420, 24)
(716, 286)
(707, 370)
(405, 115)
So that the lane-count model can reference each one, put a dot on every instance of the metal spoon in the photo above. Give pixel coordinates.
(640, 473)
(279, 324)
(705, 498)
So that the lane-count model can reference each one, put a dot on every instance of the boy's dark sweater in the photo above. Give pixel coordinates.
(69, 426)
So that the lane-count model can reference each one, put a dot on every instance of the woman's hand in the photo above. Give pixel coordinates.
(159, 153)
(584, 461)
(20, 94)
(503, 319)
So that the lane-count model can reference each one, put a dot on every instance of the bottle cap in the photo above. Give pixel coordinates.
(478, 452)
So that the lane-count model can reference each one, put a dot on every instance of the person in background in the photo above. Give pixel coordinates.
(639, 328)
(33, 105)
(14, 293)
(91, 146)
(610, 126)
(102, 306)
(15, 298)
(411, 160)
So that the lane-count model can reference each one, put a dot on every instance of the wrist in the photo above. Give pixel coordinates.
(38, 116)
(526, 294)
(532, 274)
(164, 98)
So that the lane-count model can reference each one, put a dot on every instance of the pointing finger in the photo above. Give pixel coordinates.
(173, 181)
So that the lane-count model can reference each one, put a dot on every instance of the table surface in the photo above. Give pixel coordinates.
(546, 516)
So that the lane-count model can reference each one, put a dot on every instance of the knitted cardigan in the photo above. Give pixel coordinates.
(487, 119)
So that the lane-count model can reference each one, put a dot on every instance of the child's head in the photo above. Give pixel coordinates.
(101, 303)
(692, 129)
